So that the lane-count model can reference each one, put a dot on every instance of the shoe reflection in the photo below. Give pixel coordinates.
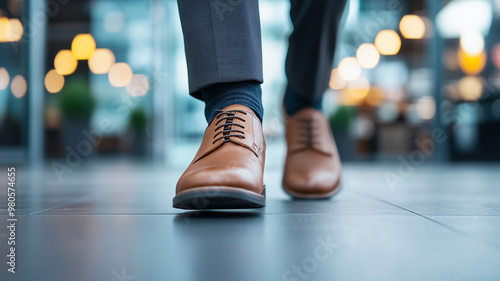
(220, 245)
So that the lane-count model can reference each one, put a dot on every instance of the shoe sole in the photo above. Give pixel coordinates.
(219, 197)
(299, 195)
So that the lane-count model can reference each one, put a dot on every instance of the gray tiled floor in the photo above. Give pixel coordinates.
(113, 220)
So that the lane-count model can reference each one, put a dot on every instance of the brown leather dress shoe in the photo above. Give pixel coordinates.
(227, 171)
(312, 167)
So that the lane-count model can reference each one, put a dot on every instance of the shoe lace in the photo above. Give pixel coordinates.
(228, 130)
(306, 132)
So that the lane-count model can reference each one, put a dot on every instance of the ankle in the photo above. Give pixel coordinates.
(222, 95)
(293, 102)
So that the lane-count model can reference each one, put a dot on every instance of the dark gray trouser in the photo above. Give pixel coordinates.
(223, 43)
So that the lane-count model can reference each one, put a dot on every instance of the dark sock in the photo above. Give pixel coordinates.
(219, 96)
(293, 102)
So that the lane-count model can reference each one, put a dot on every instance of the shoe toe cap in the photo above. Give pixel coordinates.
(313, 183)
(220, 175)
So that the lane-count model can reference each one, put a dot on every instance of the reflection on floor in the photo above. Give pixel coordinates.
(114, 221)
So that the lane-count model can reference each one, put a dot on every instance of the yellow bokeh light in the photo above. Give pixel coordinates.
(101, 61)
(388, 42)
(412, 27)
(4, 29)
(336, 82)
(471, 64)
(15, 30)
(65, 63)
(344, 98)
(83, 46)
(426, 108)
(54, 82)
(355, 92)
(139, 86)
(349, 69)
(4, 78)
(120, 75)
(360, 87)
(472, 42)
(368, 56)
(470, 88)
(375, 97)
(19, 86)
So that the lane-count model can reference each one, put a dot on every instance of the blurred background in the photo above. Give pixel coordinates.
(107, 79)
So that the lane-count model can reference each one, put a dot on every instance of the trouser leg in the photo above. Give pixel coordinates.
(311, 47)
(222, 42)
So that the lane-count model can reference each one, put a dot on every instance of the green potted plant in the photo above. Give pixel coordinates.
(137, 128)
(77, 105)
(341, 123)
